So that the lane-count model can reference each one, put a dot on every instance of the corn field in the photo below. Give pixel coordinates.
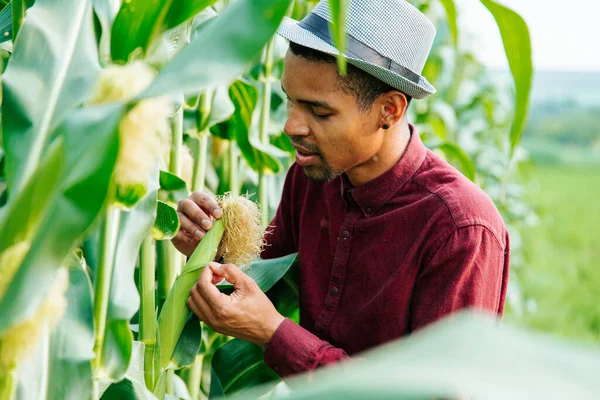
(114, 112)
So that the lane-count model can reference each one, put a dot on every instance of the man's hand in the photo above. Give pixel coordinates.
(196, 215)
(246, 314)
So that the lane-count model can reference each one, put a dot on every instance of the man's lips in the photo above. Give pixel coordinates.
(305, 157)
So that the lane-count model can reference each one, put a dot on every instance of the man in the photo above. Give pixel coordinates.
(390, 237)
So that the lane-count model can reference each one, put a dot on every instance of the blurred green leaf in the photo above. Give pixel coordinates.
(238, 366)
(450, 359)
(72, 343)
(136, 25)
(450, 7)
(64, 197)
(339, 12)
(259, 156)
(517, 45)
(453, 151)
(172, 188)
(132, 387)
(6, 21)
(37, 96)
(222, 50)
(166, 223)
(182, 10)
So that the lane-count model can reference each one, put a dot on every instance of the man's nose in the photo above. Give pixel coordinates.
(295, 124)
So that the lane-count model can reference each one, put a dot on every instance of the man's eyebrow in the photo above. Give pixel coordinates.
(314, 103)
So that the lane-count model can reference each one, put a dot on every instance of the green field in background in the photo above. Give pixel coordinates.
(562, 274)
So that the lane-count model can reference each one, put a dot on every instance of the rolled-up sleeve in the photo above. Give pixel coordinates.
(293, 350)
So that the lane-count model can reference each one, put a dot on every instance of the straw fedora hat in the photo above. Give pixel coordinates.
(389, 39)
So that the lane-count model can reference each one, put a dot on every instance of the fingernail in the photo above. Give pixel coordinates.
(218, 213)
(205, 223)
(215, 264)
(198, 234)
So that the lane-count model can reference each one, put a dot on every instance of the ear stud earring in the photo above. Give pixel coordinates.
(385, 126)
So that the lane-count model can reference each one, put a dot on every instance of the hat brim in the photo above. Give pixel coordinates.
(290, 30)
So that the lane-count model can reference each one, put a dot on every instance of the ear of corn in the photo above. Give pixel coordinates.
(237, 238)
(175, 312)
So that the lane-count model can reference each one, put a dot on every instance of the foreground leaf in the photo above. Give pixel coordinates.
(517, 45)
(37, 96)
(451, 359)
(65, 198)
(72, 343)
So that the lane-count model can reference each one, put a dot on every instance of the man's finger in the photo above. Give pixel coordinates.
(195, 214)
(190, 228)
(208, 291)
(192, 306)
(231, 273)
(207, 203)
(201, 305)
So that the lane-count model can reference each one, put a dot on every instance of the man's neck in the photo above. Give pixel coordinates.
(392, 149)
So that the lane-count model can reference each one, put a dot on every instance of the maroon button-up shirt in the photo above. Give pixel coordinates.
(383, 259)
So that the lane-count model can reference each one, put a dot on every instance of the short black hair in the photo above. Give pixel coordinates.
(365, 87)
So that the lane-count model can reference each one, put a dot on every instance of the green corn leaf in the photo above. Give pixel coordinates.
(136, 25)
(66, 195)
(166, 223)
(72, 343)
(182, 10)
(266, 273)
(132, 387)
(38, 96)
(451, 16)
(450, 359)
(6, 21)
(223, 49)
(517, 45)
(172, 188)
(454, 152)
(339, 12)
(237, 366)
(188, 345)
(259, 156)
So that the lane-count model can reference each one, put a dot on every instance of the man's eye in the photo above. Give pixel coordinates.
(321, 116)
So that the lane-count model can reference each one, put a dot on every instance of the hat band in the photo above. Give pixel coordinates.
(355, 48)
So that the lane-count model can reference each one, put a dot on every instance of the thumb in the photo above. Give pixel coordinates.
(230, 272)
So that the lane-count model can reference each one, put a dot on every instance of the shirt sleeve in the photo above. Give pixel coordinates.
(293, 350)
(469, 270)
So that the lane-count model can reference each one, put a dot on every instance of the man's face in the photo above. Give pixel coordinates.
(331, 134)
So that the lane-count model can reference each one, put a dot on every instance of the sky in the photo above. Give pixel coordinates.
(565, 35)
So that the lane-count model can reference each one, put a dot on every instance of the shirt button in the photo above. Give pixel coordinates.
(345, 235)
(334, 291)
(368, 210)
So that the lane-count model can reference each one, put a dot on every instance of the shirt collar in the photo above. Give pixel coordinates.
(371, 196)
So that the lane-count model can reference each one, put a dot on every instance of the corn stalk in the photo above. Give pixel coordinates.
(265, 113)
(103, 275)
(147, 333)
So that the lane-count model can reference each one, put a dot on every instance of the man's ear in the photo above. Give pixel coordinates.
(394, 108)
